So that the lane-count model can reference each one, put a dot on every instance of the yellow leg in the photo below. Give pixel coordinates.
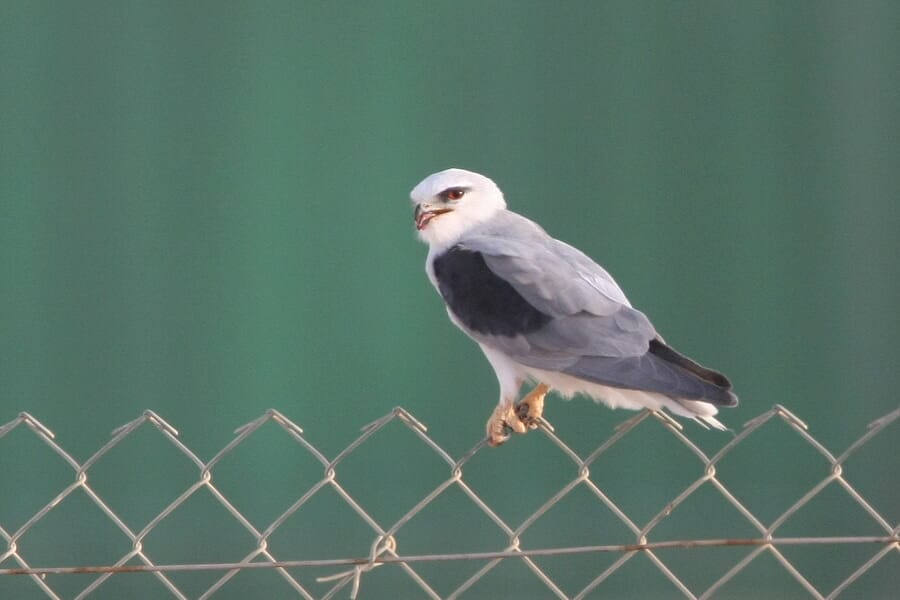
(530, 410)
(502, 419)
(518, 418)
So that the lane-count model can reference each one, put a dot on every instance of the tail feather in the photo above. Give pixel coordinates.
(659, 349)
(660, 370)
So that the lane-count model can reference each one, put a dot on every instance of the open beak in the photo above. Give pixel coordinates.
(423, 216)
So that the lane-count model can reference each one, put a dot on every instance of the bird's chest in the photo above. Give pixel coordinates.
(478, 298)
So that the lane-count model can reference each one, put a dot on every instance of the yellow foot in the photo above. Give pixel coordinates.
(530, 410)
(502, 420)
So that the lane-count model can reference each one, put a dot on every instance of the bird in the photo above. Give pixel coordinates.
(543, 312)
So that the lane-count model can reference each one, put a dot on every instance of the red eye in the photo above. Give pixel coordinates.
(455, 194)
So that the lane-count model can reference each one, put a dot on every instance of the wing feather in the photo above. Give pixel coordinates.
(590, 315)
(593, 332)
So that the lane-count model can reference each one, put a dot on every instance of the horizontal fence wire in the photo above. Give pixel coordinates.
(386, 538)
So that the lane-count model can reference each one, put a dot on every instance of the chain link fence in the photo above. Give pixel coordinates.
(323, 576)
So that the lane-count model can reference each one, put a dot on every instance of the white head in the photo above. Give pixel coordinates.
(450, 202)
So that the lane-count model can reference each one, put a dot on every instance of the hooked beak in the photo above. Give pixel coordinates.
(423, 216)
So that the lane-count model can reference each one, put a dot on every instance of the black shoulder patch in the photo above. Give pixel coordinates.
(480, 299)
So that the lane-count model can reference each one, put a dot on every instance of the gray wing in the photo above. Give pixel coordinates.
(589, 314)
(592, 332)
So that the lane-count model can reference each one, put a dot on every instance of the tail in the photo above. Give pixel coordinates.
(720, 385)
(691, 389)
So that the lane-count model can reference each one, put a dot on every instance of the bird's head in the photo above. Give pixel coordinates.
(449, 202)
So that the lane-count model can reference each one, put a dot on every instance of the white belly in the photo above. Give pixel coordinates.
(568, 386)
(511, 374)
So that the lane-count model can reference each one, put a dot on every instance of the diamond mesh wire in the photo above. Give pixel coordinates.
(387, 538)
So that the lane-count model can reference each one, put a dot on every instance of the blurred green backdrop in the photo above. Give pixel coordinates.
(203, 211)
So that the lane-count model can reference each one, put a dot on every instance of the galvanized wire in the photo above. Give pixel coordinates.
(387, 539)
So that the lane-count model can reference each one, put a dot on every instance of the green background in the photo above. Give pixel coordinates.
(204, 211)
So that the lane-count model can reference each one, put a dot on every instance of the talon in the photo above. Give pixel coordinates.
(496, 427)
(502, 421)
(515, 423)
(531, 409)
(523, 412)
(518, 418)
(495, 440)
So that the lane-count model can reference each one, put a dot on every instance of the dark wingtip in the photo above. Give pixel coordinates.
(717, 378)
(724, 397)
(732, 399)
